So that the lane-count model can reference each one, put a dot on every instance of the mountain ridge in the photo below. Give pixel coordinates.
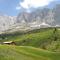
(40, 18)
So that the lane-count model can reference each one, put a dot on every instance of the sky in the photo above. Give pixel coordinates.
(13, 7)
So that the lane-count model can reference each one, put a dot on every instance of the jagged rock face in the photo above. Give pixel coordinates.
(6, 22)
(51, 17)
(38, 16)
(57, 14)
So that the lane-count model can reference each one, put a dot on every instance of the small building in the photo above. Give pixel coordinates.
(9, 43)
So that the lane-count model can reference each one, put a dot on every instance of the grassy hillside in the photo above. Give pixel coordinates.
(40, 44)
(26, 53)
(47, 38)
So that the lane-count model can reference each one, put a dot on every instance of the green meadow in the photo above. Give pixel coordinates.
(39, 44)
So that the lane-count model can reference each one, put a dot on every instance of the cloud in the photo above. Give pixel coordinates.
(18, 7)
(27, 4)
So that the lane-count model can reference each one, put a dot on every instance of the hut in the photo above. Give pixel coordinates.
(9, 43)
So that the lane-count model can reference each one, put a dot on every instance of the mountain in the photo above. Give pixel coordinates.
(39, 18)
(50, 16)
(6, 22)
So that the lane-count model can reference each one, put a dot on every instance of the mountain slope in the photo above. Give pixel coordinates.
(26, 53)
(50, 16)
(33, 20)
(45, 38)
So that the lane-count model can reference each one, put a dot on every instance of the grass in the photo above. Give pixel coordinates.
(41, 38)
(41, 44)
(26, 53)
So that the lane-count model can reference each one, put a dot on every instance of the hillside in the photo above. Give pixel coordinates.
(26, 53)
(39, 44)
(45, 38)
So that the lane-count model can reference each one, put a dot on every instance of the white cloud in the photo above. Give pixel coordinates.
(33, 3)
(18, 7)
